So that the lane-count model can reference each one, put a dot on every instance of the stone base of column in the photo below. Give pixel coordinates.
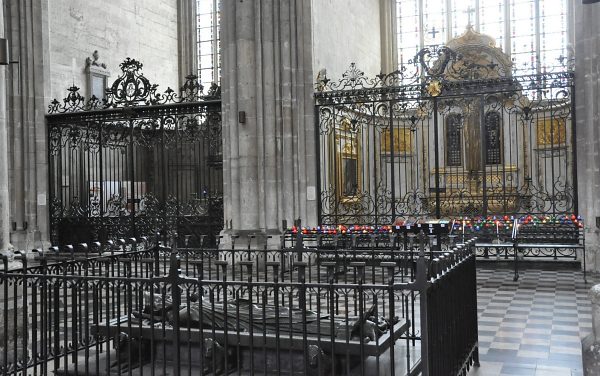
(590, 352)
(257, 239)
(12, 263)
(234, 246)
(27, 240)
(591, 257)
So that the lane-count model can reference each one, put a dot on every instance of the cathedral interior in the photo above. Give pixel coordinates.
(319, 187)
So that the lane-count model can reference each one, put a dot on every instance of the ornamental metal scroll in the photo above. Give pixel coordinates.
(451, 133)
(137, 162)
(132, 88)
(437, 67)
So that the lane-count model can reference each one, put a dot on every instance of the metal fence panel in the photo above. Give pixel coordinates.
(457, 138)
(136, 162)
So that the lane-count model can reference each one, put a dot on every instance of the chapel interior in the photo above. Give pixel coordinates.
(300, 187)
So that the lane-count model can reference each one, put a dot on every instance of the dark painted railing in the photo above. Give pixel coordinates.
(137, 307)
(450, 311)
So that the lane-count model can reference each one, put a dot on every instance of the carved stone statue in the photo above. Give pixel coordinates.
(322, 79)
(93, 61)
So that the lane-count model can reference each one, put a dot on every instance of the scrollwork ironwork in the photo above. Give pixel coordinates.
(490, 161)
(132, 89)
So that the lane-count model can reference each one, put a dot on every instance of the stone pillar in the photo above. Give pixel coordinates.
(5, 246)
(269, 167)
(590, 345)
(187, 38)
(389, 52)
(28, 98)
(587, 101)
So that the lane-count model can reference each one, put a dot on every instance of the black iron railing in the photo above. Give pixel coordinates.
(136, 307)
(136, 161)
(444, 135)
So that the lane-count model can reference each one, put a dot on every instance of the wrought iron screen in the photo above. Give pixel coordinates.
(137, 162)
(460, 136)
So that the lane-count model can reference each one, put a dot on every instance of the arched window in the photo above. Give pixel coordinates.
(493, 151)
(453, 140)
(209, 46)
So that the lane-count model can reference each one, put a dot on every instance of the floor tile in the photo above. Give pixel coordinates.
(533, 326)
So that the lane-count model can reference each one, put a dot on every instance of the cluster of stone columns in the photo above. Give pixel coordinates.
(587, 101)
(268, 122)
(187, 38)
(23, 104)
(5, 245)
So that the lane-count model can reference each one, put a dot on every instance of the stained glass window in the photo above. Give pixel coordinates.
(523, 35)
(462, 14)
(208, 20)
(453, 140)
(491, 20)
(434, 22)
(409, 40)
(553, 33)
(492, 138)
(533, 32)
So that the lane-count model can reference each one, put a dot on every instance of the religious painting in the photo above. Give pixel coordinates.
(402, 141)
(551, 132)
(348, 162)
(350, 177)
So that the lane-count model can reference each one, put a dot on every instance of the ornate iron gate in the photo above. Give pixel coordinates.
(452, 134)
(137, 162)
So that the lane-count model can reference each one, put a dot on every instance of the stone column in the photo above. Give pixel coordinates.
(187, 38)
(389, 52)
(5, 246)
(587, 98)
(28, 97)
(590, 345)
(268, 122)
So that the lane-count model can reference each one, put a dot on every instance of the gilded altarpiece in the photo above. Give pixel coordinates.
(458, 135)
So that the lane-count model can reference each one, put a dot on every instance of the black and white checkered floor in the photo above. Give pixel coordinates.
(533, 326)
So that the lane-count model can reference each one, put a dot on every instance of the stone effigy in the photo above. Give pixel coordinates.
(268, 318)
(239, 317)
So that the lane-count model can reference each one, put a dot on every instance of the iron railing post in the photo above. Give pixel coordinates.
(483, 154)
(421, 282)
(574, 151)
(318, 164)
(436, 157)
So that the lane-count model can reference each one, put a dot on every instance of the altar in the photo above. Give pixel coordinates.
(452, 133)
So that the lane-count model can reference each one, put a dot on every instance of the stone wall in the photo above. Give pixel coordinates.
(142, 29)
(587, 86)
(346, 34)
(51, 40)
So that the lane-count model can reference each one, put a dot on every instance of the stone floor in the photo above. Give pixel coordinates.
(532, 327)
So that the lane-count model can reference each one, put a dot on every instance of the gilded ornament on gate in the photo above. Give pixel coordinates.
(402, 141)
(434, 88)
(551, 132)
